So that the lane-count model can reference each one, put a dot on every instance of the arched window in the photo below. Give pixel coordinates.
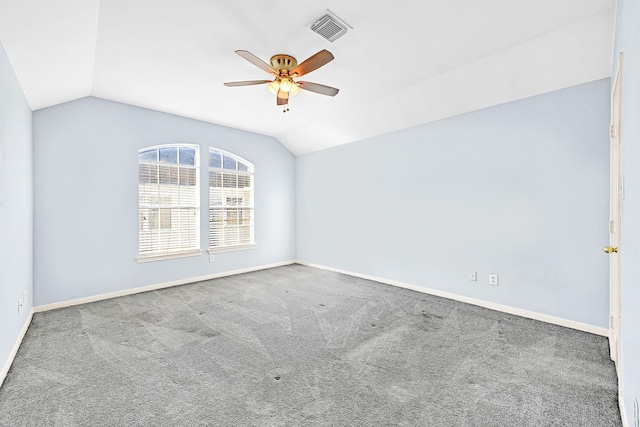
(169, 200)
(231, 222)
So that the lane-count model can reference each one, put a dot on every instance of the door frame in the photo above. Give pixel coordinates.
(614, 217)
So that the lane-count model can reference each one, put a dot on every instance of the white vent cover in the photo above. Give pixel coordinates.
(330, 26)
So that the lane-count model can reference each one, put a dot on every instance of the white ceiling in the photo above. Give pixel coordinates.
(404, 63)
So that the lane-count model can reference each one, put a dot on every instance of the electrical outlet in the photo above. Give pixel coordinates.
(493, 279)
(19, 305)
(211, 258)
(473, 276)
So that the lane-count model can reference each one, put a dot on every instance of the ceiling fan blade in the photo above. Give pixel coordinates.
(256, 61)
(247, 83)
(318, 88)
(283, 98)
(312, 63)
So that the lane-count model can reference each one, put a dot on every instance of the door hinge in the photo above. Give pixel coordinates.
(612, 131)
(611, 322)
(612, 226)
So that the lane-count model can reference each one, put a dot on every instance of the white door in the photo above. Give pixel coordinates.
(614, 219)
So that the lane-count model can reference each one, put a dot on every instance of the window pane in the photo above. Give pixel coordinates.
(169, 155)
(244, 181)
(215, 160)
(215, 179)
(160, 219)
(148, 155)
(187, 176)
(230, 202)
(187, 156)
(168, 175)
(168, 200)
(229, 163)
(148, 174)
(230, 180)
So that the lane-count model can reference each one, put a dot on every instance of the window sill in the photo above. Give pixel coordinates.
(151, 258)
(231, 249)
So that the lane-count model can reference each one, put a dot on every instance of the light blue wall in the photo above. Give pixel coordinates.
(86, 198)
(16, 207)
(627, 40)
(520, 189)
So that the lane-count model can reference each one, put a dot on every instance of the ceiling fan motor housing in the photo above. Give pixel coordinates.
(283, 62)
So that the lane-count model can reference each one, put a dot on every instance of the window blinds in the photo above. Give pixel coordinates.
(168, 198)
(231, 222)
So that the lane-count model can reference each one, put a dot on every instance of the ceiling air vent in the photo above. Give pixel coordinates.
(330, 26)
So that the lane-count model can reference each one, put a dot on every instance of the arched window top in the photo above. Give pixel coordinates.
(177, 154)
(220, 159)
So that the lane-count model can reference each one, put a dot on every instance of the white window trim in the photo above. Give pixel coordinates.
(151, 258)
(231, 248)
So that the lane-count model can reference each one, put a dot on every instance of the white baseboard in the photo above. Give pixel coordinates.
(16, 346)
(94, 298)
(486, 304)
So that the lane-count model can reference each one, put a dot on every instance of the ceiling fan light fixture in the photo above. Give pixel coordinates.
(294, 89)
(285, 84)
(274, 87)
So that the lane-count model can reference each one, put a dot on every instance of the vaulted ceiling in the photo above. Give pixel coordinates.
(403, 63)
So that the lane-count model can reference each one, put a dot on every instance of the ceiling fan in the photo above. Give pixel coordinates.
(285, 68)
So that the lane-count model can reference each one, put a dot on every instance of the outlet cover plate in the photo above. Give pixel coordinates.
(473, 276)
(493, 279)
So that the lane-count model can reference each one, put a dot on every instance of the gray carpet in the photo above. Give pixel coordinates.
(297, 346)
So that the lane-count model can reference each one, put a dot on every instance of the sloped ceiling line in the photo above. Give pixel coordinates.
(432, 60)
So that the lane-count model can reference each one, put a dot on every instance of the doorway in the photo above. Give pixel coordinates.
(614, 219)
